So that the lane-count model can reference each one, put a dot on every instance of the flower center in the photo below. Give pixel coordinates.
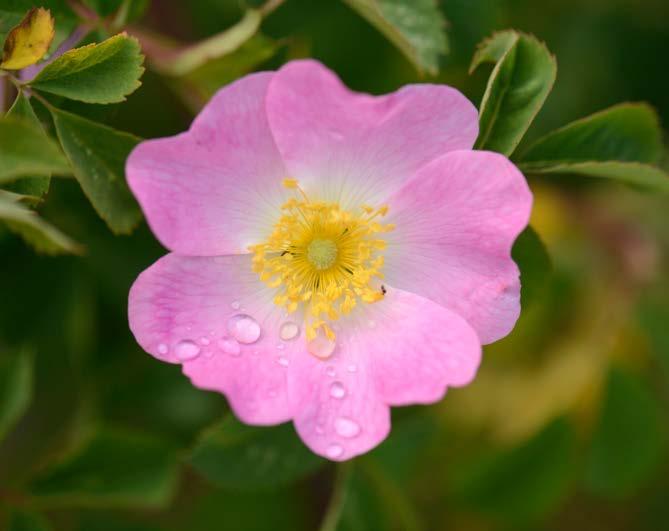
(322, 259)
(322, 253)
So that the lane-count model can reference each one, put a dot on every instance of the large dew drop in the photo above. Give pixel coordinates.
(346, 427)
(288, 331)
(321, 347)
(186, 350)
(244, 328)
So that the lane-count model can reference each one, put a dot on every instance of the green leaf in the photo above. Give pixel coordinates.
(629, 443)
(24, 521)
(618, 143)
(25, 150)
(524, 483)
(42, 236)
(115, 469)
(234, 455)
(32, 186)
(653, 315)
(530, 253)
(627, 132)
(634, 173)
(16, 389)
(98, 155)
(520, 82)
(416, 28)
(98, 73)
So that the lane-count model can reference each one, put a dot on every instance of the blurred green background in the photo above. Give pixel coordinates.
(565, 426)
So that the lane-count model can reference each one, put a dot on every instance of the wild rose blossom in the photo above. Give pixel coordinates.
(332, 253)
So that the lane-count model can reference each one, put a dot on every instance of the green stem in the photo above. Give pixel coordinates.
(338, 498)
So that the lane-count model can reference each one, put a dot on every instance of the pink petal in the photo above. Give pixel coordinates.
(402, 350)
(456, 222)
(351, 147)
(216, 188)
(183, 305)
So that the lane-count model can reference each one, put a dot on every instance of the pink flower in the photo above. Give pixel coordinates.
(333, 253)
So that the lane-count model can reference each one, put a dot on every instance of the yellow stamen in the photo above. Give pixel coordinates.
(322, 258)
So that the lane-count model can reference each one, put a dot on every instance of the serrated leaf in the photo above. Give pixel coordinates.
(97, 154)
(235, 455)
(115, 469)
(35, 186)
(416, 28)
(530, 253)
(16, 389)
(524, 483)
(25, 521)
(25, 150)
(628, 444)
(629, 132)
(97, 73)
(38, 233)
(27, 42)
(520, 82)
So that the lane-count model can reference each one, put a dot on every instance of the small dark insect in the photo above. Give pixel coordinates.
(383, 289)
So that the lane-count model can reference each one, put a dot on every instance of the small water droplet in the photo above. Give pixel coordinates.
(334, 451)
(230, 346)
(320, 430)
(289, 330)
(204, 340)
(186, 350)
(162, 348)
(352, 368)
(235, 305)
(321, 347)
(280, 346)
(244, 328)
(330, 371)
(283, 361)
(347, 427)
(337, 390)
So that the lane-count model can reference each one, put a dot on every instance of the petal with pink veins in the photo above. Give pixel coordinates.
(455, 224)
(354, 148)
(402, 350)
(216, 188)
(202, 312)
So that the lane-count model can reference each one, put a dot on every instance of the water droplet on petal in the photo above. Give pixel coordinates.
(330, 371)
(321, 347)
(337, 390)
(186, 350)
(281, 360)
(352, 368)
(230, 346)
(346, 427)
(204, 340)
(244, 328)
(280, 346)
(162, 349)
(334, 451)
(289, 330)
(235, 305)
(320, 430)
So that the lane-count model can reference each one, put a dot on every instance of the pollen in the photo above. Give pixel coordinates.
(323, 260)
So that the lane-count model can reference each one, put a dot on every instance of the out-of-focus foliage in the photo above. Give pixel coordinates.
(565, 426)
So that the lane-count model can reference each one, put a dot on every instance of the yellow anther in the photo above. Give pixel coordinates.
(322, 258)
